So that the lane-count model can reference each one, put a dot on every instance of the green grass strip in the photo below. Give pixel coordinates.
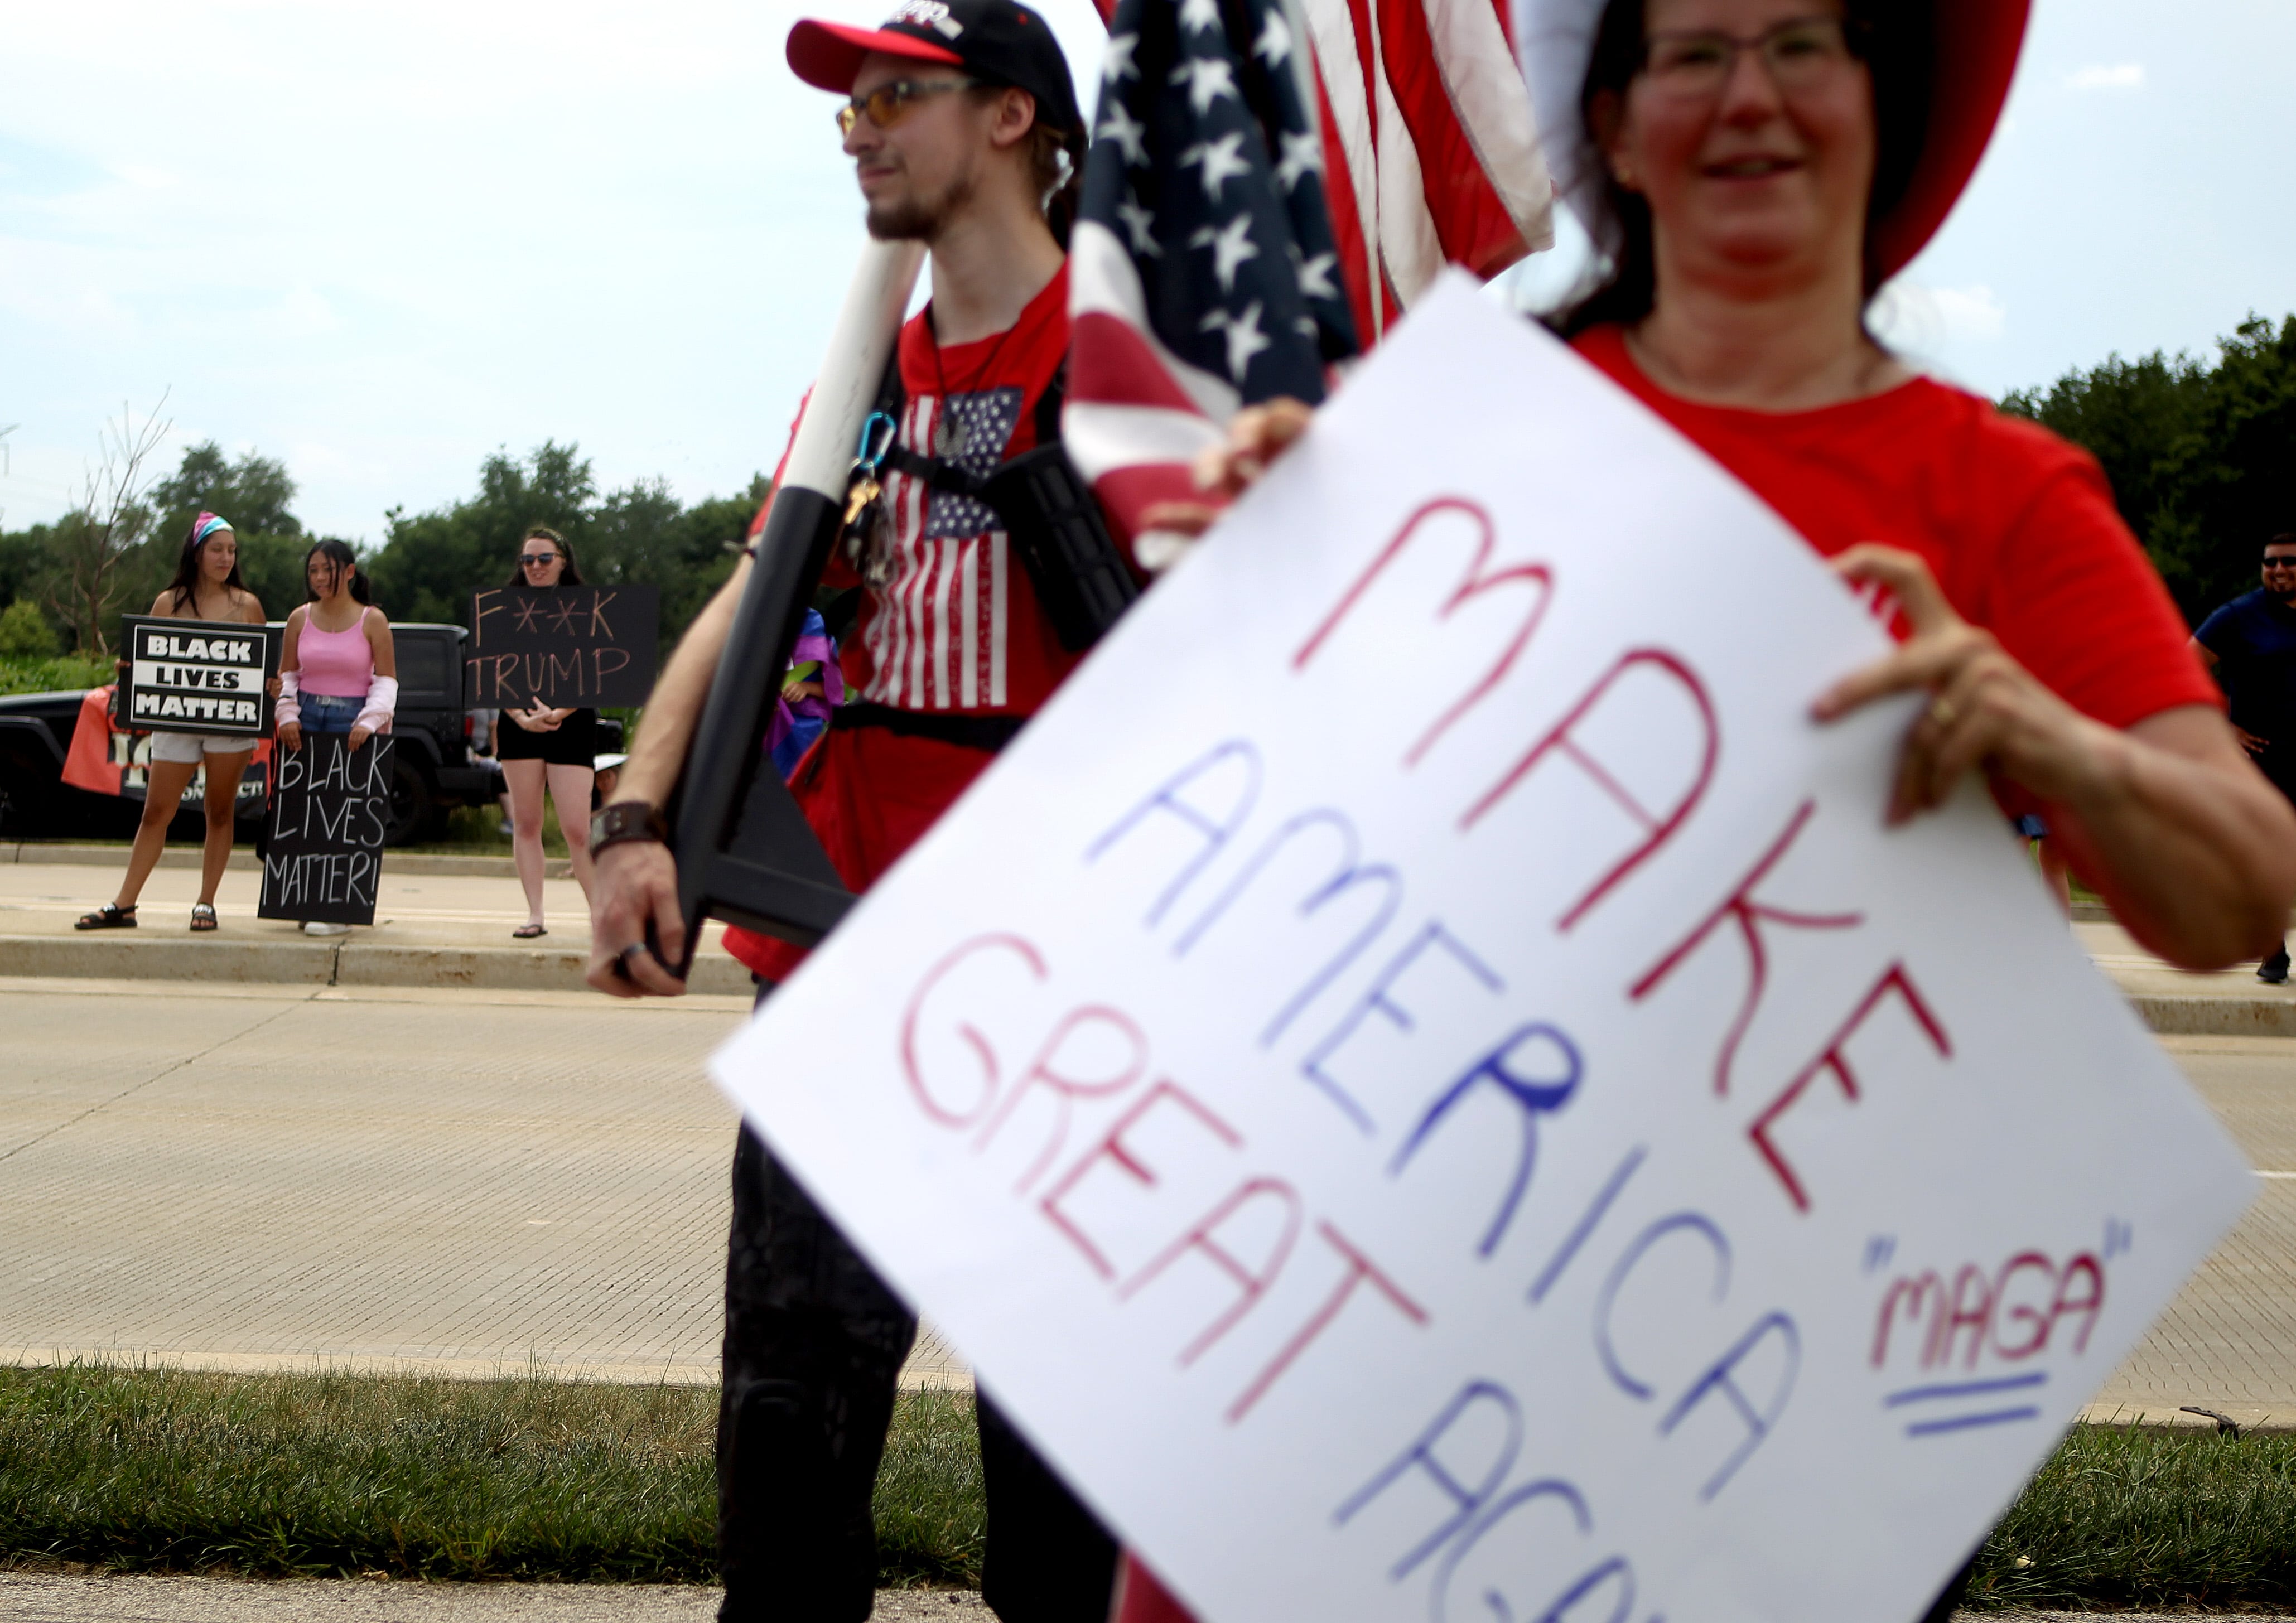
(158, 1469)
(2126, 1516)
(314, 1475)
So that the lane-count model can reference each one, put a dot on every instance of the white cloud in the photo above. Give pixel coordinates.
(2097, 76)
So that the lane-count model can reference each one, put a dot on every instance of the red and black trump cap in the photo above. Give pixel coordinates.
(995, 41)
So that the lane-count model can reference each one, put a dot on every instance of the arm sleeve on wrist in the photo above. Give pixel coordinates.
(381, 704)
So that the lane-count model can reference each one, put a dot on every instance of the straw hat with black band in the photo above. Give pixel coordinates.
(1974, 55)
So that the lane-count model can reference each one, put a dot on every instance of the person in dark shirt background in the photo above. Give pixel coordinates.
(2250, 646)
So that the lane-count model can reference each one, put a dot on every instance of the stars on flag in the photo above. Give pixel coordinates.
(1140, 225)
(1205, 232)
(1231, 246)
(1222, 159)
(1303, 155)
(1244, 337)
(1120, 126)
(1273, 45)
(1116, 63)
(1208, 78)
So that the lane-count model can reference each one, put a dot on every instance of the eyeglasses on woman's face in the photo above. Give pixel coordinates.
(887, 104)
(538, 560)
(1800, 53)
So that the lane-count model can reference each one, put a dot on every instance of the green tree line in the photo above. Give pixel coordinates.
(425, 569)
(2202, 455)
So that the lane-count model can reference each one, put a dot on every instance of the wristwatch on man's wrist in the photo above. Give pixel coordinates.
(625, 822)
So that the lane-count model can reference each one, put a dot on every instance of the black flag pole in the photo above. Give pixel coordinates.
(745, 853)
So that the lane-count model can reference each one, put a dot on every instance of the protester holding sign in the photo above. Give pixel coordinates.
(1754, 171)
(965, 134)
(338, 670)
(207, 586)
(540, 742)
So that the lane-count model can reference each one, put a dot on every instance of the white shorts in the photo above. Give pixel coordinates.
(184, 748)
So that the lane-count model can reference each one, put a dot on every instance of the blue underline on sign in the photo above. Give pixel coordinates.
(1965, 1389)
(1962, 1422)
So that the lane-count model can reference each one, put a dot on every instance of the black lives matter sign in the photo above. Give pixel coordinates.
(568, 647)
(329, 810)
(198, 676)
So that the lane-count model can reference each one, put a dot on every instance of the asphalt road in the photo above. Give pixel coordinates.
(249, 1177)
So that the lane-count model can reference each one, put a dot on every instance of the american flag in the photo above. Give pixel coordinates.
(1237, 235)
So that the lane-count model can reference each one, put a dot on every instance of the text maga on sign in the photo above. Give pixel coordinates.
(567, 647)
(198, 676)
(1426, 1084)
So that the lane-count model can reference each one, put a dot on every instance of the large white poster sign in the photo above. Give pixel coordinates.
(1426, 1084)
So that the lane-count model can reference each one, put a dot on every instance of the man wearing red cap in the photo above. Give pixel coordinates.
(965, 134)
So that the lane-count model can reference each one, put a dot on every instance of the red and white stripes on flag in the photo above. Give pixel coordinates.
(1429, 157)
(1431, 153)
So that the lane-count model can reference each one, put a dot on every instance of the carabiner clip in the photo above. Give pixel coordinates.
(866, 460)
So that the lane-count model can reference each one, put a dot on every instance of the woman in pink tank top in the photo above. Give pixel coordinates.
(338, 670)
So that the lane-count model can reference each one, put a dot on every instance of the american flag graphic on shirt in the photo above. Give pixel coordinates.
(957, 627)
(939, 638)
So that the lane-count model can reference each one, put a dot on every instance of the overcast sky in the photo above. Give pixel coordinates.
(379, 241)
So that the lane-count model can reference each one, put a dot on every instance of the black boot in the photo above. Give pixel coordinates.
(2273, 971)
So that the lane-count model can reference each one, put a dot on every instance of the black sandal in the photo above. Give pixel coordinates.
(203, 916)
(526, 932)
(111, 916)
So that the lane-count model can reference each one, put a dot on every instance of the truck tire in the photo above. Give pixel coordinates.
(415, 812)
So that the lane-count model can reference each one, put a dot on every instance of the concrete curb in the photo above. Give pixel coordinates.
(107, 956)
(2170, 1015)
(243, 861)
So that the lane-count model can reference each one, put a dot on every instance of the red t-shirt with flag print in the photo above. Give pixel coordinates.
(2019, 526)
(956, 630)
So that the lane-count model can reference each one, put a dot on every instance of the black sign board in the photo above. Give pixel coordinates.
(568, 647)
(198, 676)
(329, 808)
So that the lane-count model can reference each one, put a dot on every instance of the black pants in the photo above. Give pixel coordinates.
(814, 1345)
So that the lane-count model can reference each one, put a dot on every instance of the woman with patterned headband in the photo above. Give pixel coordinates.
(207, 587)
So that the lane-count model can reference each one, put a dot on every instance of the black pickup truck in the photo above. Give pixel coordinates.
(432, 767)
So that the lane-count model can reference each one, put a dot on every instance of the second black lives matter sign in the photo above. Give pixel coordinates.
(567, 647)
(197, 677)
(329, 810)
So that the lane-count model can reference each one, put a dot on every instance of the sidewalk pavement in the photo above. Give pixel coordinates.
(440, 922)
(445, 921)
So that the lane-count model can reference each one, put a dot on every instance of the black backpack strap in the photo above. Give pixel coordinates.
(1049, 403)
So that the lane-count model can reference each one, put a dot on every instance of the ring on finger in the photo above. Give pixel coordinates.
(1942, 712)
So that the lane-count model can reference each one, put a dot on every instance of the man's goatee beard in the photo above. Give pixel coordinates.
(902, 223)
(913, 221)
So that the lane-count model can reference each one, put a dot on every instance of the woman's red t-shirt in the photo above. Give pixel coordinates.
(2019, 526)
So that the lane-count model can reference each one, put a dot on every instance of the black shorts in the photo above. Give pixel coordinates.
(574, 744)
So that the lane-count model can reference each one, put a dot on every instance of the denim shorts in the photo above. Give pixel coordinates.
(328, 712)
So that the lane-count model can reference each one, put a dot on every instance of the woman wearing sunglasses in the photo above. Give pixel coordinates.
(541, 747)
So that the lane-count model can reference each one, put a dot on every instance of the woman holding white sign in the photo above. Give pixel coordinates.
(544, 746)
(1754, 171)
(207, 586)
(337, 667)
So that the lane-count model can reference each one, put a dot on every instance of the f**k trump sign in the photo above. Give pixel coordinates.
(1424, 1083)
(198, 676)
